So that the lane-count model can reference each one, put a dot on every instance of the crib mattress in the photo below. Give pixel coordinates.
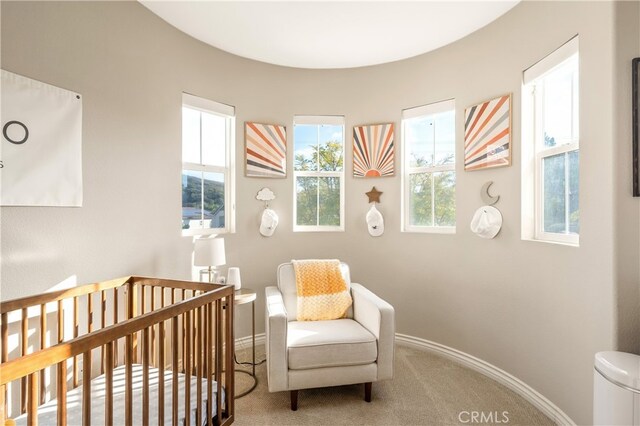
(47, 412)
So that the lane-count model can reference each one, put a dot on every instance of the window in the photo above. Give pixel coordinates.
(318, 173)
(428, 168)
(207, 166)
(551, 155)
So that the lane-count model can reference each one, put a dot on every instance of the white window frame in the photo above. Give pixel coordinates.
(228, 170)
(334, 120)
(407, 170)
(533, 151)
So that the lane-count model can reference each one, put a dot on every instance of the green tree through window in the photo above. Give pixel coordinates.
(318, 198)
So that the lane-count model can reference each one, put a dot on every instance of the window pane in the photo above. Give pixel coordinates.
(329, 193)
(444, 185)
(213, 209)
(419, 137)
(554, 193)
(305, 141)
(420, 205)
(330, 147)
(307, 201)
(558, 106)
(574, 185)
(191, 199)
(190, 135)
(445, 138)
(214, 132)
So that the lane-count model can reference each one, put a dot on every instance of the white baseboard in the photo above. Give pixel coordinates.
(511, 382)
(518, 386)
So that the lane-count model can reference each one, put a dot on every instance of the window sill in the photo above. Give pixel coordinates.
(318, 229)
(553, 241)
(431, 229)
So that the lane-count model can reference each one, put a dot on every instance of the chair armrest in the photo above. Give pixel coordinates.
(378, 317)
(276, 340)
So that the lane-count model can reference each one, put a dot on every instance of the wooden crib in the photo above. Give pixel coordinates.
(133, 350)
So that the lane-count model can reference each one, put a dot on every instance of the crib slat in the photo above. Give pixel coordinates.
(4, 358)
(133, 314)
(89, 312)
(86, 388)
(143, 289)
(60, 322)
(175, 366)
(75, 334)
(43, 345)
(115, 321)
(184, 329)
(194, 326)
(62, 393)
(103, 318)
(3, 404)
(61, 376)
(128, 382)
(89, 325)
(161, 345)
(153, 329)
(145, 376)
(207, 345)
(32, 408)
(161, 328)
(23, 348)
(229, 344)
(218, 356)
(187, 370)
(199, 367)
(108, 404)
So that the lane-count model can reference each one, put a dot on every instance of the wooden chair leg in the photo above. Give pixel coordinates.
(294, 400)
(367, 391)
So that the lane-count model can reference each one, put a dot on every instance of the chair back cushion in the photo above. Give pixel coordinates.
(287, 286)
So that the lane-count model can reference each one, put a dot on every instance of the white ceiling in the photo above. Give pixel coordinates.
(328, 34)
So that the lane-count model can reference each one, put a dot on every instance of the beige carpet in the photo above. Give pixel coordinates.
(427, 390)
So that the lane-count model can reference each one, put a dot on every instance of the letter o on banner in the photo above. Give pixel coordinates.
(5, 132)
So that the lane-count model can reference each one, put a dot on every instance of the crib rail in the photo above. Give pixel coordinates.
(199, 318)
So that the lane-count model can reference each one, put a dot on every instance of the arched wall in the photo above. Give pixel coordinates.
(538, 311)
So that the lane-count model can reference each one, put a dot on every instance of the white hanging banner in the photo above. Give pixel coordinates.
(41, 148)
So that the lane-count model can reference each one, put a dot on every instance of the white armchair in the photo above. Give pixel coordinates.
(313, 354)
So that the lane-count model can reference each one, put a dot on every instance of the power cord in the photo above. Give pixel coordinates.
(235, 358)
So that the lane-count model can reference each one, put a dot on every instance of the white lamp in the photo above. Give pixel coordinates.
(209, 252)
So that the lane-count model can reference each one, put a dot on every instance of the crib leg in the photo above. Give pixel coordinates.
(294, 400)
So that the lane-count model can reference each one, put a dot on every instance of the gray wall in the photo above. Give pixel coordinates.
(538, 311)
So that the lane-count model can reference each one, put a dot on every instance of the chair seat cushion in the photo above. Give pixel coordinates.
(332, 343)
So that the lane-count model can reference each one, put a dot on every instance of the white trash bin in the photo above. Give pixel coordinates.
(616, 389)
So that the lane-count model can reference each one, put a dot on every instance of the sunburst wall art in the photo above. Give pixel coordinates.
(266, 150)
(487, 134)
(373, 150)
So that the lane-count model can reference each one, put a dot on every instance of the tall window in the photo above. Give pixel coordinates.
(318, 173)
(207, 166)
(429, 176)
(551, 155)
